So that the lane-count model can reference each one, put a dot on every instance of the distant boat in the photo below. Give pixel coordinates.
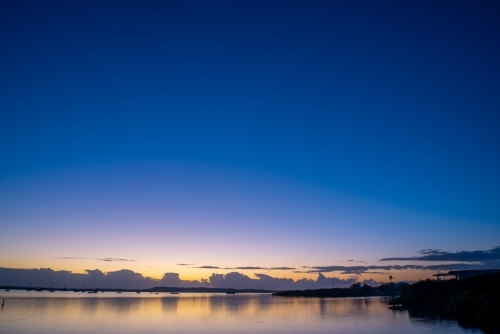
(90, 291)
(230, 293)
(138, 292)
(156, 293)
(118, 292)
(174, 293)
(51, 290)
(7, 289)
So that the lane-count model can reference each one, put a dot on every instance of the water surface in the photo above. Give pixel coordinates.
(70, 312)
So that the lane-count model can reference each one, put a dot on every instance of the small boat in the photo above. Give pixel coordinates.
(174, 293)
(156, 293)
(138, 292)
(90, 291)
(118, 292)
(7, 289)
(230, 293)
(52, 291)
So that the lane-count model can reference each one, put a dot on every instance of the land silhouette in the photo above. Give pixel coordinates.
(355, 290)
(152, 290)
(473, 301)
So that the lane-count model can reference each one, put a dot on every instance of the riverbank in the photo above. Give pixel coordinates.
(364, 291)
(155, 289)
(472, 301)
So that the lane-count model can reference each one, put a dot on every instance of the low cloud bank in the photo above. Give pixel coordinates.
(127, 279)
(262, 281)
(46, 277)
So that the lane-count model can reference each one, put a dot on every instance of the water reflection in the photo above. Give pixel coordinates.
(207, 313)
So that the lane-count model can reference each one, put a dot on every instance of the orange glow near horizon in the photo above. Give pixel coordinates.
(197, 274)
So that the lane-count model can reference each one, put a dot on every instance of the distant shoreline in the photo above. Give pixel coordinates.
(154, 289)
(328, 293)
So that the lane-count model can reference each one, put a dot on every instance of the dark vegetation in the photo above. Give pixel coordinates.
(472, 301)
(356, 290)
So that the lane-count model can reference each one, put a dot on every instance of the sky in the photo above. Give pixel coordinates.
(269, 142)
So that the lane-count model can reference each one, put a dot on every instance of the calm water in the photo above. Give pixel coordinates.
(70, 312)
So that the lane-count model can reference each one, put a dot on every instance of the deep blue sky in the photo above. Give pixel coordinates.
(393, 102)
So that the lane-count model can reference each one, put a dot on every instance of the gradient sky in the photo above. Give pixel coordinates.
(247, 133)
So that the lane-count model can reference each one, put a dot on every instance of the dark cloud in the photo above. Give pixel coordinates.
(344, 269)
(113, 259)
(245, 268)
(430, 251)
(464, 266)
(358, 270)
(106, 259)
(353, 261)
(443, 256)
(184, 264)
(467, 260)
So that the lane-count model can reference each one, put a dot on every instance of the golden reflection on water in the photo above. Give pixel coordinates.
(199, 313)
